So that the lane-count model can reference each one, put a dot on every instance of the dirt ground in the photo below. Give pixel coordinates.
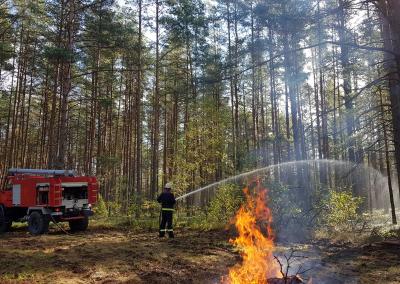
(114, 256)
(103, 255)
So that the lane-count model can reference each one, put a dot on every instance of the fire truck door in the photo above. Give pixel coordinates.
(16, 194)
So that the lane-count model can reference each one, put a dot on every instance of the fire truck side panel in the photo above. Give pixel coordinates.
(28, 190)
(6, 198)
(55, 193)
(27, 193)
(93, 191)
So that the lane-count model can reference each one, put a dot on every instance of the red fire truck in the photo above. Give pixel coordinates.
(41, 196)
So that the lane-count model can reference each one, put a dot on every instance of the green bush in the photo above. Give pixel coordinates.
(140, 207)
(114, 208)
(382, 233)
(150, 208)
(341, 210)
(134, 207)
(284, 206)
(224, 205)
(197, 221)
(100, 209)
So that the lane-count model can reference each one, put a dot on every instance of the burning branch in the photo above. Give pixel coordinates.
(286, 279)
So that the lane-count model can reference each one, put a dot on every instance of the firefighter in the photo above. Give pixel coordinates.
(167, 200)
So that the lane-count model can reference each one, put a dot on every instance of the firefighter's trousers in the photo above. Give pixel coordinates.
(166, 222)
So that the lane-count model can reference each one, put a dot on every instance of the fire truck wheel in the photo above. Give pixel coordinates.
(4, 224)
(79, 225)
(3, 227)
(38, 223)
(9, 226)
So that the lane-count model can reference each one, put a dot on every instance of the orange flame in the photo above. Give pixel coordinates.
(255, 240)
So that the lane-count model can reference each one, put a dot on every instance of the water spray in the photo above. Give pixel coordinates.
(378, 175)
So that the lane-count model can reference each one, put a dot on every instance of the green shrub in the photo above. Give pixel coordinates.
(197, 221)
(382, 233)
(284, 206)
(224, 205)
(142, 208)
(100, 209)
(150, 208)
(135, 206)
(341, 210)
(114, 208)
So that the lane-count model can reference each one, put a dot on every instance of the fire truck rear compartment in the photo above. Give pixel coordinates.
(74, 196)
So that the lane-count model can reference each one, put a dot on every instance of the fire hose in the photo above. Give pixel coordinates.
(62, 229)
(58, 225)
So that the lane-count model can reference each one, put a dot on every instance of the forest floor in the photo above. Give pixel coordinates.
(115, 255)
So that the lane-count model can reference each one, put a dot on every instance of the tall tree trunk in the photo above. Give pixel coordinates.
(231, 83)
(346, 73)
(387, 158)
(139, 108)
(156, 114)
(389, 12)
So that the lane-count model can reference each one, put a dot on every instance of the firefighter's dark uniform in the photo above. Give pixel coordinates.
(167, 201)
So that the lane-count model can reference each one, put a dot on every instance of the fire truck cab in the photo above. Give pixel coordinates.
(41, 196)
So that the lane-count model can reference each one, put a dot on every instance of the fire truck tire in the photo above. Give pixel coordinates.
(5, 225)
(79, 225)
(38, 223)
(9, 226)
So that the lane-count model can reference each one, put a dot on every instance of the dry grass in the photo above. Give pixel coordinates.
(112, 256)
(112, 252)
